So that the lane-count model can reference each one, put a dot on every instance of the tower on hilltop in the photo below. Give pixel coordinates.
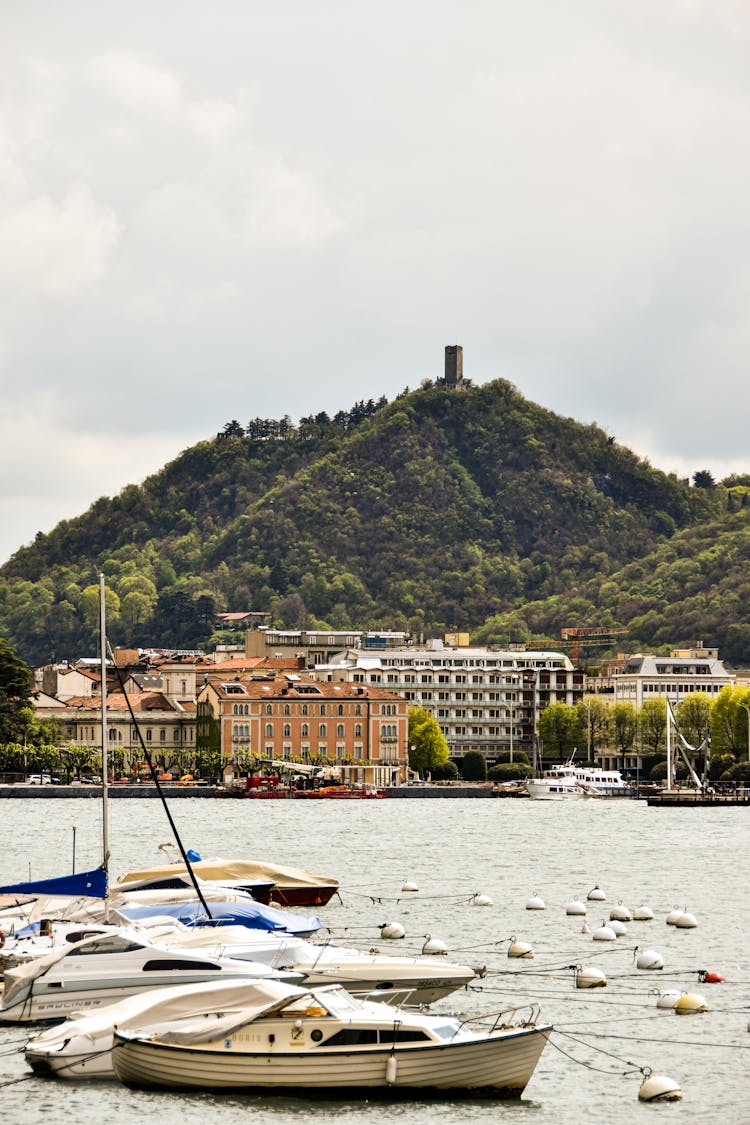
(454, 365)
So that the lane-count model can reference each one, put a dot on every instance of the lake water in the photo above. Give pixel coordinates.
(453, 849)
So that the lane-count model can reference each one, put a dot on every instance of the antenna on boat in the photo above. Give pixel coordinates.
(105, 763)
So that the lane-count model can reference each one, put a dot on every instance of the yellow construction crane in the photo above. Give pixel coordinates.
(588, 635)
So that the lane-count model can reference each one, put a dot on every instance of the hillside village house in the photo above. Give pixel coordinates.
(363, 731)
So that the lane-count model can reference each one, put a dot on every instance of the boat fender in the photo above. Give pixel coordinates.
(2, 938)
(391, 1070)
(658, 1088)
(710, 978)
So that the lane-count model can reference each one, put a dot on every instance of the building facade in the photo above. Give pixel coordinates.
(360, 730)
(675, 676)
(482, 698)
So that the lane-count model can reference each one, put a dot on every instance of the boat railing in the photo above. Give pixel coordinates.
(525, 1015)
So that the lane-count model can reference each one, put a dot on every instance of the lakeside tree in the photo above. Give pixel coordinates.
(560, 730)
(625, 726)
(15, 694)
(729, 721)
(652, 721)
(595, 721)
(427, 745)
(694, 716)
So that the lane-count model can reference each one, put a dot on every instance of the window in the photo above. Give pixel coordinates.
(304, 708)
(340, 709)
(357, 730)
(176, 736)
(287, 732)
(287, 709)
(149, 735)
(322, 708)
(305, 730)
(322, 730)
(269, 709)
(269, 730)
(339, 730)
(162, 735)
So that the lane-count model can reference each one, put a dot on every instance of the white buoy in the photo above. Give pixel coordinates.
(642, 914)
(435, 946)
(481, 900)
(649, 959)
(604, 933)
(686, 921)
(410, 887)
(590, 976)
(585, 927)
(391, 1069)
(520, 949)
(668, 998)
(576, 907)
(673, 915)
(620, 913)
(596, 894)
(392, 930)
(535, 903)
(659, 1088)
(690, 1003)
(619, 927)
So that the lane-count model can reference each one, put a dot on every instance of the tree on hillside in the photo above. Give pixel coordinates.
(15, 693)
(427, 745)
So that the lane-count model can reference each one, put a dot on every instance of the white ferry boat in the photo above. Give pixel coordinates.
(575, 782)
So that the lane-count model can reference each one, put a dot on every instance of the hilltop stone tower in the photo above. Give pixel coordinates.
(454, 365)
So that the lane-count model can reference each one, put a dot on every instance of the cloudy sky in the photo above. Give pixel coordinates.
(217, 211)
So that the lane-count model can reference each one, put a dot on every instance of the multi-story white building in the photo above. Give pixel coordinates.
(484, 699)
(675, 676)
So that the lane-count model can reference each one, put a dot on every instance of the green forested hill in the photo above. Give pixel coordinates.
(473, 509)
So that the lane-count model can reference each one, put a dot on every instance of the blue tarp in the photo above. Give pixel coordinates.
(91, 883)
(254, 915)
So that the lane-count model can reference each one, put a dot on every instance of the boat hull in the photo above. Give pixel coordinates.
(498, 1066)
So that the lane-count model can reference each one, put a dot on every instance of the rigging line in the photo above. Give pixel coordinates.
(590, 1066)
(601, 1050)
(152, 769)
(664, 1042)
(15, 1081)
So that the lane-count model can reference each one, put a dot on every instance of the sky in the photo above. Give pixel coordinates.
(238, 209)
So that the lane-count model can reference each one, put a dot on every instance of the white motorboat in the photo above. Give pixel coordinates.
(81, 1046)
(420, 979)
(326, 1040)
(108, 967)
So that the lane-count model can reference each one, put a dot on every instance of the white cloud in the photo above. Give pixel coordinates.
(55, 248)
(156, 92)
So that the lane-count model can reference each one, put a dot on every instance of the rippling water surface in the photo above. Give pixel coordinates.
(508, 849)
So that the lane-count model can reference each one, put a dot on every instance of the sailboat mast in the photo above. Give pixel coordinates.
(105, 763)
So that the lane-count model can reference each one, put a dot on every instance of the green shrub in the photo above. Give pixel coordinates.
(518, 756)
(474, 766)
(509, 771)
(447, 771)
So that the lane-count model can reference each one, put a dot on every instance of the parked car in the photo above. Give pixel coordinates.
(39, 779)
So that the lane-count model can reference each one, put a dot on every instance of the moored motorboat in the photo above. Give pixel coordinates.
(289, 886)
(108, 967)
(81, 1046)
(326, 1040)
